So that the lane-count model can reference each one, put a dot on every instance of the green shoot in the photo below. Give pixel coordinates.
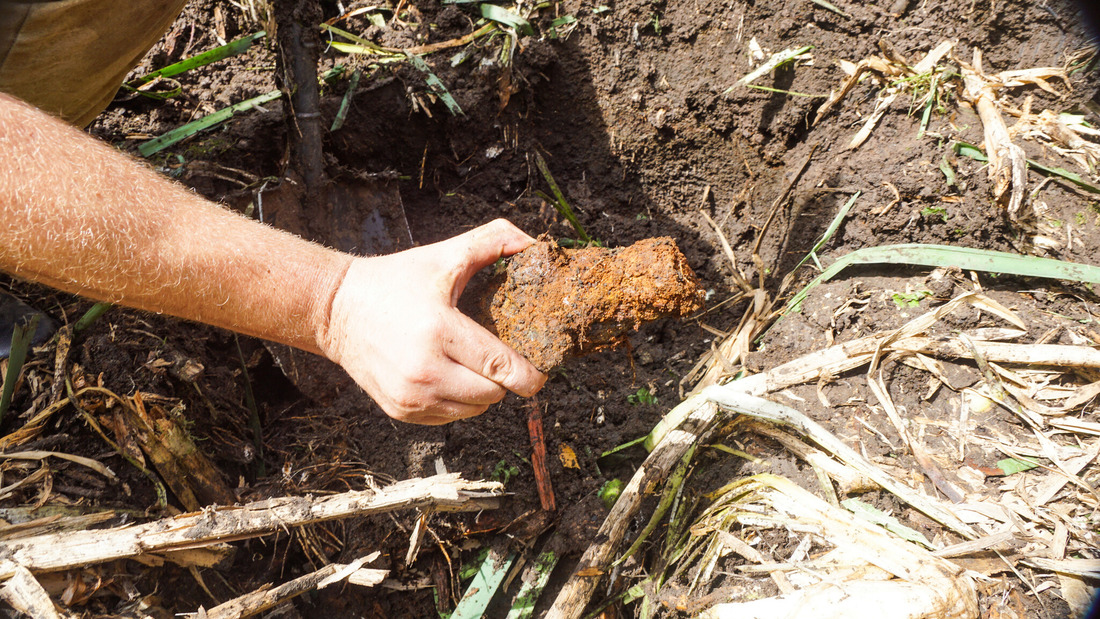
(21, 338)
(504, 472)
(909, 299)
(935, 211)
(561, 22)
(948, 172)
(927, 114)
(90, 316)
(178, 134)
(643, 396)
(559, 201)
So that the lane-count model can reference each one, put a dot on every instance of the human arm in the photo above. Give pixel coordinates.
(77, 215)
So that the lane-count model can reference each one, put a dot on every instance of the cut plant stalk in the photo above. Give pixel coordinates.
(21, 338)
(777, 60)
(538, 456)
(206, 122)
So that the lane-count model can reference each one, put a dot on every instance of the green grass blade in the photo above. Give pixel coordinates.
(975, 153)
(90, 316)
(834, 225)
(559, 200)
(927, 114)
(165, 140)
(362, 46)
(21, 338)
(218, 53)
(965, 258)
(828, 5)
(436, 85)
(345, 103)
(529, 591)
(253, 412)
(503, 16)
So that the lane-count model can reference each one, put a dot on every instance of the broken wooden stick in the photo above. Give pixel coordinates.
(224, 524)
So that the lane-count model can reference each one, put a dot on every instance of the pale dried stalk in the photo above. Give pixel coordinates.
(78, 549)
(261, 600)
(926, 64)
(25, 594)
(1007, 161)
(699, 416)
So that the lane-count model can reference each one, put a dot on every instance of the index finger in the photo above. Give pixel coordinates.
(471, 345)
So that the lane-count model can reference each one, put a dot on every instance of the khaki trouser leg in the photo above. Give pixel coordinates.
(68, 57)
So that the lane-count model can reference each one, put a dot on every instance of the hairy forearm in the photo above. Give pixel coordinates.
(77, 215)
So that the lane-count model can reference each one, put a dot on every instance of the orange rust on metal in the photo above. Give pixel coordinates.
(552, 303)
(538, 456)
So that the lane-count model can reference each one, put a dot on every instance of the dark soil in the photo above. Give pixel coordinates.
(631, 107)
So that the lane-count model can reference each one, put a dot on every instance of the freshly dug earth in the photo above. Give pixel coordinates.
(551, 303)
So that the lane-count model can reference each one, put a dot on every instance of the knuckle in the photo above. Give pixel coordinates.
(499, 367)
(420, 374)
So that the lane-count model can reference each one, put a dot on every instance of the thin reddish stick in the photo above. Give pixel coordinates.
(538, 456)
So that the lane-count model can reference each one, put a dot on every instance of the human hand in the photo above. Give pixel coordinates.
(394, 326)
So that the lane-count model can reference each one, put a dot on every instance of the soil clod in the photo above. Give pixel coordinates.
(552, 303)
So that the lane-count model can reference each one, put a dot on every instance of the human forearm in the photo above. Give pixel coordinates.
(79, 216)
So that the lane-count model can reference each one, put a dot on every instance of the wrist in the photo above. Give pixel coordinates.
(325, 287)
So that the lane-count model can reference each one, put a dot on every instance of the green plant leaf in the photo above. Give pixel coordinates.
(1011, 466)
(503, 16)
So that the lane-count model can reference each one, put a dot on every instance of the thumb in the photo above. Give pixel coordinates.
(483, 246)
